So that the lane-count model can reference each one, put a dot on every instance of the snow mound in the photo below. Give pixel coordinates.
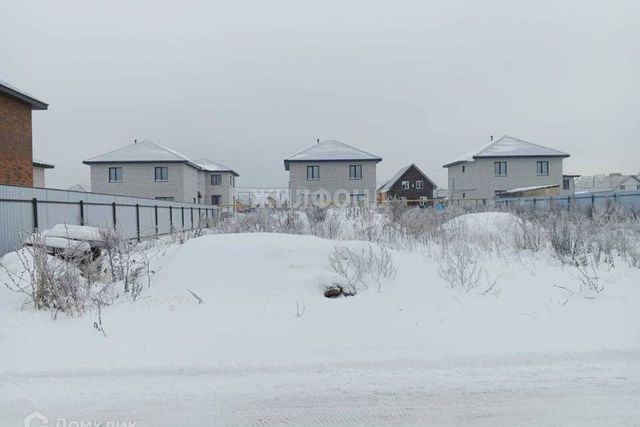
(483, 222)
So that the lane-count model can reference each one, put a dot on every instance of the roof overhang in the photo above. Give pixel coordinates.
(20, 96)
(457, 162)
(522, 156)
(113, 162)
(42, 165)
(232, 172)
(287, 162)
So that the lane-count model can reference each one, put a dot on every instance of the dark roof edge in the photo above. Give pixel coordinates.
(286, 162)
(42, 165)
(23, 97)
(565, 155)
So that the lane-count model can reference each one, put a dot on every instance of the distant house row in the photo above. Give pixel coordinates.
(147, 169)
(328, 171)
(506, 167)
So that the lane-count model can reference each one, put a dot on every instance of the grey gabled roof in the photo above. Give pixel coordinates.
(330, 150)
(387, 186)
(143, 151)
(211, 166)
(507, 146)
(22, 96)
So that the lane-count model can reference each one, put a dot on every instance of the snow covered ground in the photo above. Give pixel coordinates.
(266, 347)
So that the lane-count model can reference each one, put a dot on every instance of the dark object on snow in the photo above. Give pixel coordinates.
(335, 290)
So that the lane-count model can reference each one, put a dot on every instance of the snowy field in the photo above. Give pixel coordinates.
(529, 344)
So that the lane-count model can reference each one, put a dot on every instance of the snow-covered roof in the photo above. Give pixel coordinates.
(604, 182)
(143, 151)
(508, 146)
(43, 165)
(330, 150)
(22, 96)
(523, 189)
(211, 166)
(387, 186)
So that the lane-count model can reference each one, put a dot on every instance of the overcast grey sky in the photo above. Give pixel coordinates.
(247, 83)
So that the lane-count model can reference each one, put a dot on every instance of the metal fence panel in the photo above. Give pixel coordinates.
(19, 213)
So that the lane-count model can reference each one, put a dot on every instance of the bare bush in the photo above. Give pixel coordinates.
(460, 266)
(354, 266)
(351, 266)
(50, 283)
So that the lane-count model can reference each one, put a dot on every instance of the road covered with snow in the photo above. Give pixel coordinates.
(591, 390)
(528, 346)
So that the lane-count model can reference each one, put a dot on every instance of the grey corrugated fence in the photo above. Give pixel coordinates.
(24, 209)
(627, 199)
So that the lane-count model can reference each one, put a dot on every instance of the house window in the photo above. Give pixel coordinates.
(419, 184)
(355, 171)
(623, 187)
(500, 168)
(637, 187)
(542, 168)
(162, 173)
(216, 179)
(358, 199)
(313, 173)
(464, 195)
(565, 184)
(115, 174)
(166, 198)
(464, 169)
(405, 185)
(424, 200)
(232, 180)
(215, 199)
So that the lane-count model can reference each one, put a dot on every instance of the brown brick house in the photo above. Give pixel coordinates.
(409, 184)
(16, 159)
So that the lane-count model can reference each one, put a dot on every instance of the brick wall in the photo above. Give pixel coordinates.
(16, 161)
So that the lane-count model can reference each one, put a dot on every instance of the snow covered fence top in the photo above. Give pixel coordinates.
(23, 210)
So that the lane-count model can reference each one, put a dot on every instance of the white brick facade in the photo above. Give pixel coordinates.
(479, 181)
(334, 178)
(138, 180)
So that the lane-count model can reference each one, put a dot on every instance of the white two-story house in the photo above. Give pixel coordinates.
(217, 183)
(507, 164)
(150, 170)
(331, 172)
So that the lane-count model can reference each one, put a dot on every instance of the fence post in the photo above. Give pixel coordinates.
(34, 204)
(113, 212)
(155, 208)
(534, 201)
(182, 209)
(192, 217)
(81, 212)
(170, 216)
(593, 201)
(568, 203)
(199, 216)
(138, 221)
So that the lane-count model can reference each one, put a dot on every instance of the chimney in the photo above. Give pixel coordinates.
(317, 140)
(615, 174)
(491, 138)
(135, 141)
